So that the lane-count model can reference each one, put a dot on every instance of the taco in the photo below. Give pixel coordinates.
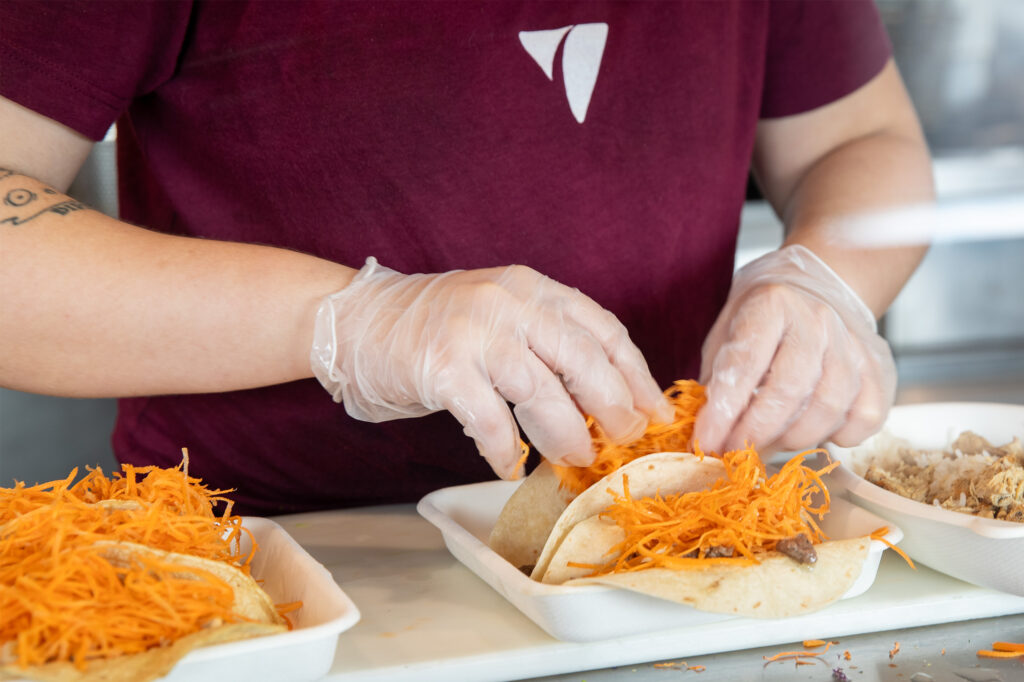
(137, 588)
(663, 471)
(530, 515)
(528, 518)
(714, 532)
(717, 535)
(118, 578)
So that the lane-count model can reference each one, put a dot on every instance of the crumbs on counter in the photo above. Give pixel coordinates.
(680, 665)
(802, 657)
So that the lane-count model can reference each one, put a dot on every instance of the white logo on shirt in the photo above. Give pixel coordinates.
(581, 59)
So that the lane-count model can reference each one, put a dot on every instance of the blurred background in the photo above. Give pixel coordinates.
(957, 330)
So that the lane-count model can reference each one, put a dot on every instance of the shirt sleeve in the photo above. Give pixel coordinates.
(83, 63)
(819, 51)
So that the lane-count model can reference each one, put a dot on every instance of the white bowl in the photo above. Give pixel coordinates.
(985, 552)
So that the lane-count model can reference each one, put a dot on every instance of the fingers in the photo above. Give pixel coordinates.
(487, 420)
(598, 387)
(737, 368)
(876, 396)
(822, 382)
(625, 357)
(574, 309)
(551, 421)
(826, 410)
(475, 390)
(794, 374)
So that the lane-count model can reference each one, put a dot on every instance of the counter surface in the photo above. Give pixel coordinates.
(427, 617)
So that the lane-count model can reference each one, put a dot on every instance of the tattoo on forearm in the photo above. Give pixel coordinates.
(25, 199)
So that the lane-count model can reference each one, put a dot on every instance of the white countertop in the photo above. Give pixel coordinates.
(427, 617)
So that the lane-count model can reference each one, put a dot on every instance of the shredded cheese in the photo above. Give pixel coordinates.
(880, 533)
(62, 597)
(686, 397)
(797, 656)
(1002, 650)
(747, 512)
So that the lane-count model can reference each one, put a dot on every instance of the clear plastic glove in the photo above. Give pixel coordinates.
(794, 359)
(391, 346)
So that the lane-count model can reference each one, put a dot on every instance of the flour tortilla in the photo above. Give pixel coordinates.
(666, 472)
(527, 518)
(777, 587)
(250, 602)
(588, 542)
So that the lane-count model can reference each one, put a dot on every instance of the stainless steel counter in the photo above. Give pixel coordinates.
(940, 653)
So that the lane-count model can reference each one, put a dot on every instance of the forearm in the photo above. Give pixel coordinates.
(872, 172)
(95, 307)
(863, 152)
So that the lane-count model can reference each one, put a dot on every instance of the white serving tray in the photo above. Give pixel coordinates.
(466, 514)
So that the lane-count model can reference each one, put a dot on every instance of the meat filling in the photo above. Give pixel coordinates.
(798, 547)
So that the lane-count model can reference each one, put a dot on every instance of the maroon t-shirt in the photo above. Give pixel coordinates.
(605, 144)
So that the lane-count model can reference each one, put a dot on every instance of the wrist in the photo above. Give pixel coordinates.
(798, 267)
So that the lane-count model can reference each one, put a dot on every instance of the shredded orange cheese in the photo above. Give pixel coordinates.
(686, 397)
(63, 600)
(1003, 650)
(880, 533)
(797, 656)
(682, 665)
(746, 511)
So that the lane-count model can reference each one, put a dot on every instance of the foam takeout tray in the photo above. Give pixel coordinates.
(582, 613)
(288, 573)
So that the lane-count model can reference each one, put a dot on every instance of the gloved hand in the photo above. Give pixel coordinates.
(391, 346)
(793, 360)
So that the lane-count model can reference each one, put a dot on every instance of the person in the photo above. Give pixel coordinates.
(440, 210)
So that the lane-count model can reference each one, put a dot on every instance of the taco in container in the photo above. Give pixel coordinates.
(716, 533)
(116, 579)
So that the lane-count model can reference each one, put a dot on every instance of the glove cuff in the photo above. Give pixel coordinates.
(324, 353)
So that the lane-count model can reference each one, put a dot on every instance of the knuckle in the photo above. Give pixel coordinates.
(870, 416)
(489, 426)
(830, 405)
(783, 394)
(522, 275)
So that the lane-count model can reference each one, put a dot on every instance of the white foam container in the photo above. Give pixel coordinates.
(288, 573)
(984, 552)
(466, 514)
